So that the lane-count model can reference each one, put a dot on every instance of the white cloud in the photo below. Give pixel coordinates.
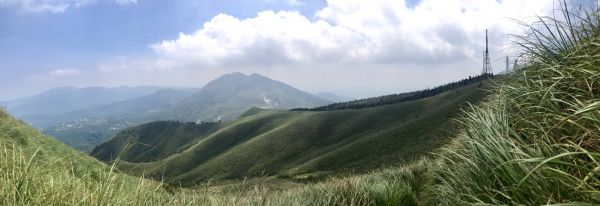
(354, 31)
(124, 2)
(53, 6)
(65, 72)
(352, 47)
(267, 39)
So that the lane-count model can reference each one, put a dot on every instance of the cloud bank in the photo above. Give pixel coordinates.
(356, 32)
(352, 47)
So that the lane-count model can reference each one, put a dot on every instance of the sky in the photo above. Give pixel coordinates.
(355, 48)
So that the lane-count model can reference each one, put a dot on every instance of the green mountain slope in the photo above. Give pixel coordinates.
(86, 117)
(39, 170)
(228, 96)
(276, 142)
(16, 136)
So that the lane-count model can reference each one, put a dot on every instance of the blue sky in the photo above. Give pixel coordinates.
(81, 35)
(102, 29)
(43, 41)
(352, 47)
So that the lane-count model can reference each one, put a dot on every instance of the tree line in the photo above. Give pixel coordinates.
(397, 98)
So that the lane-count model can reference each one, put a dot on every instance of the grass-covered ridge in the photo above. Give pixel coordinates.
(38, 170)
(291, 143)
(398, 98)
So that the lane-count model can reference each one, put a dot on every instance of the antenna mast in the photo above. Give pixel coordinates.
(487, 65)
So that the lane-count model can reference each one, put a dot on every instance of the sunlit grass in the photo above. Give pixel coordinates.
(536, 142)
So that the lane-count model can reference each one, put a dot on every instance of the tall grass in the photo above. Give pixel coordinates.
(392, 186)
(538, 141)
(26, 181)
(38, 170)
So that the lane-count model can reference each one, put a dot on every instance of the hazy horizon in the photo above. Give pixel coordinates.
(199, 87)
(352, 48)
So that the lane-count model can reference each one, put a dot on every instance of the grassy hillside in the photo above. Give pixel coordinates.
(93, 115)
(538, 141)
(290, 143)
(17, 137)
(38, 170)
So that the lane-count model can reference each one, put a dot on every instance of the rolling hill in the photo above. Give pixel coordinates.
(290, 143)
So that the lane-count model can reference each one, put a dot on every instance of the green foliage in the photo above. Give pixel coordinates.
(538, 141)
(37, 170)
(392, 186)
(398, 98)
(224, 99)
(290, 143)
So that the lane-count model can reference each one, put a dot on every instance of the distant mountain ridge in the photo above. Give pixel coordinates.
(61, 100)
(232, 94)
(86, 117)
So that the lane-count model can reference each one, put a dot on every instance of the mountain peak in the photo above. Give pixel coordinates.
(241, 79)
(234, 74)
(256, 75)
(232, 94)
(231, 77)
(242, 75)
(259, 77)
